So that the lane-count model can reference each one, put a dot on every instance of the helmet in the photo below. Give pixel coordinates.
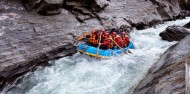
(102, 31)
(93, 31)
(106, 34)
(123, 33)
(114, 33)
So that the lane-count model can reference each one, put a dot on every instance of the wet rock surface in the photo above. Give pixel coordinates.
(167, 76)
(114, 13)
(188, 4)
(44, 7)
(28, 38)
(187, 25)
(174, 33)
(187, 75)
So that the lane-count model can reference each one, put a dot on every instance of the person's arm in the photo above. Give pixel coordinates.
(105, 43)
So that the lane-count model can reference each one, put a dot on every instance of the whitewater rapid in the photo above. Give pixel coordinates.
(80, 74)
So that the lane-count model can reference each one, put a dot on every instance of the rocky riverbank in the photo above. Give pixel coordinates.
(29, 37)
(167, 75)
(170, 74)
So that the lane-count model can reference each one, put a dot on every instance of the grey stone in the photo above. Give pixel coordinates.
(174, 33)
(167, 75)
(44, 7)
(187, 25)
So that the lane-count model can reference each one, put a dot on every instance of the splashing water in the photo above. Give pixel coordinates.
(79, 74)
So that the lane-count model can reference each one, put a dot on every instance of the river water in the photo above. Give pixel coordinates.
(80, 74)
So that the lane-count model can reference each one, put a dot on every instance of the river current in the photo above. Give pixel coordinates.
(80, 74)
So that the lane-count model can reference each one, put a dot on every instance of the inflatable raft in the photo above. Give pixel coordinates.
(103, 53)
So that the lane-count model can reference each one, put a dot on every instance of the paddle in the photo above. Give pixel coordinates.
(126, 46)
(119, 46)
(98, 50)
(85, 34)
(82, 36)
(129, 51)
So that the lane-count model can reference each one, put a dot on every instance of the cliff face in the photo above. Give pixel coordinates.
(28, 38)
(168, 74)
(114, 13)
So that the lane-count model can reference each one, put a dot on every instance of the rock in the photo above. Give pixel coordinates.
(129, 12)
(1, 9)
(187, 75)
(188, 4)
(174, 33)
(167, 9)
(187, 25)
(167, 75)
(29, 39)
(134, 12)
(182, 4)
(84, 9)
(44, 7)
(185, 5)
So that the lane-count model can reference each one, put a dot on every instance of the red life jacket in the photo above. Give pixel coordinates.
(126, 40)
(103, 37)
(119, 41)
(93, 39)
(108, 42)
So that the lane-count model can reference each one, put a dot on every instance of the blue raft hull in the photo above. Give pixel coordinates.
(92, 51)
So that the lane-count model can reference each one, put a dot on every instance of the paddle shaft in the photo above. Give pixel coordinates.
(82, 36)
(119, 46)
(98, 50)
(126, 46)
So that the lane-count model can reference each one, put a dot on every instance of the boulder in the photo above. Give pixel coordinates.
(28, 39)
(129, 12)
(2, 9)
(168, 9)
(44, 7)
(84, 9)
(174, 33)
(187, 25)
(167, 75)
(134, 12)
(188, 4)
(187, 75)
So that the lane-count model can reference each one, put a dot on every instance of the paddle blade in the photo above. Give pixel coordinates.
(85, 34)
(80, 38)
(129, 51)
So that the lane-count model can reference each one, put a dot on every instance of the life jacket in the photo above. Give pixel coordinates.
(103, 36)
(93, 39)
(126, 40)
(110, 45)
(119, 41)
